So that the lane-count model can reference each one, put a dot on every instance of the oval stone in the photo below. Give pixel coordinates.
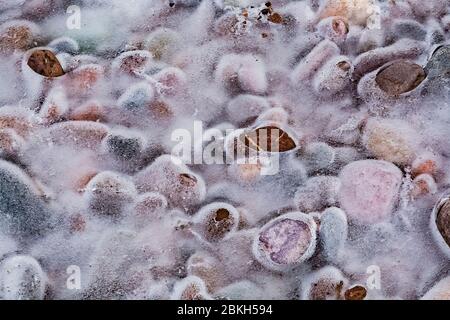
(369, 190)
(22, 212)
(400, 77)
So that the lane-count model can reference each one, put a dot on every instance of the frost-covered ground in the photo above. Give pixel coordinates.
(94, 205)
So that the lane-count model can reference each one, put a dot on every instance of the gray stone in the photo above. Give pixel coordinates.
(22, 212)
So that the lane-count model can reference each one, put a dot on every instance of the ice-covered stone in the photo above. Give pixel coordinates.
(216, 221)
(440, 224)
(174, 180)
(17, 35)
(327, 283)
(333, 231)
(369, 190)
(391, 140)
(286, 241)
(22, 212)
(318, 193)
(108, 193)
(22, 278)
(190, 288)
(242, 73)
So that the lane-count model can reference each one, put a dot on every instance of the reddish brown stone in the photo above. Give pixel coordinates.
(399, 77)
(355, 293)
(16, 37)
(219, 224)
(260, 139)
(45, 63)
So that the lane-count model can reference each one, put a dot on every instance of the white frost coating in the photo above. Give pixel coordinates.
(245, 107)
(138, 96)
(333, 232)
(55, 106)
(242, 72)
(206, 218)
(242, 290)
(108, 192)
(317, 193)
(314, 60)
(174, 180)
(8, 245)
(334, 77)
(325, 283)
(22, 278)
(190, 288)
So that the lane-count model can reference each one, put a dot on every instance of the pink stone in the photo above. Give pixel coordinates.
(369, 190)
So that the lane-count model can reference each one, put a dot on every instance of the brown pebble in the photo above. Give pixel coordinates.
(19, 124)
(344, 65)
(355, 293)
(91, 111)
(82, 80)
(16, 37)
(77, 223)
(340, 26)
(325, 289)
(133, 63)
(261, 140)
(219, 224)
(275, 18)
(45, 63)
(160, 110)
(192, 292)
(188, 180)
(399, 77)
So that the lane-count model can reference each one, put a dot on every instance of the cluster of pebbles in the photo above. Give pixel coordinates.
(358, 91)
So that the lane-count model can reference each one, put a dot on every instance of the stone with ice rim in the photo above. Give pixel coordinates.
(286, 242)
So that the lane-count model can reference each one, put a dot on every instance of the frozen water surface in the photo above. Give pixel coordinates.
(135, 165)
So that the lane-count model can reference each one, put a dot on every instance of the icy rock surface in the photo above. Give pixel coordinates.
(127, 130)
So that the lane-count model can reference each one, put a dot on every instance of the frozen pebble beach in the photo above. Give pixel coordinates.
(222, 149)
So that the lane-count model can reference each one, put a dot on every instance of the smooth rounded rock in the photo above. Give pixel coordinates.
(369, 190)
(22, 212)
